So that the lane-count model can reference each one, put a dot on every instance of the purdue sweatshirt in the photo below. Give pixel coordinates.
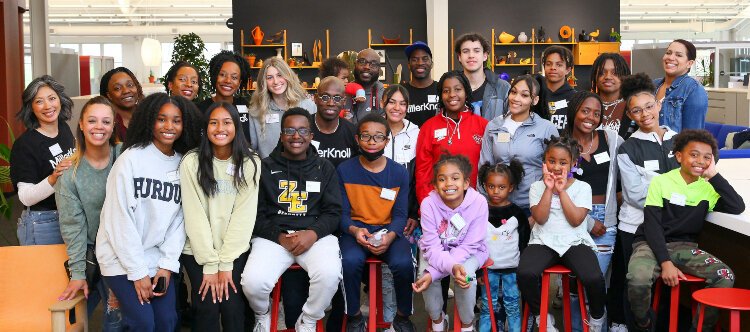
(141, 228)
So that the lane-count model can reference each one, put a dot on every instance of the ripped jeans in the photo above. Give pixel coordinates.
(112, 316)
(605, 245)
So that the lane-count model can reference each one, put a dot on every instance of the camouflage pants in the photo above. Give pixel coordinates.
(643, 271)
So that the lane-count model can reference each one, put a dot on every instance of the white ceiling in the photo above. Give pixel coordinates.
(636, 15)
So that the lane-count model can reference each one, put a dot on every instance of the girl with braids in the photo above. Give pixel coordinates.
(183, 79)
(683, 99)
(454, 222)
(597, 166)
(507, 236)
(229, 72)
(519, 134)
(456, 130)
(141, 234)
(278, 90)
(79, 195)
(220, 196)
(606, 79)
(560, 205)
(39, 158)
(124, 91)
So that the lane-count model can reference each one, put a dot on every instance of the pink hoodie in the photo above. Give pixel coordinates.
(442, 245)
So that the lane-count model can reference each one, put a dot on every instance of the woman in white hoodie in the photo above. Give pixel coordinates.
(141, 233)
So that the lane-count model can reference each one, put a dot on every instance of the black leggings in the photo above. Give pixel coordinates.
(580, 259)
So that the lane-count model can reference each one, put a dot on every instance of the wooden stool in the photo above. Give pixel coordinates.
(674, 299)
(733, 299)
(544, 306)
(276, 296)
(457, 317)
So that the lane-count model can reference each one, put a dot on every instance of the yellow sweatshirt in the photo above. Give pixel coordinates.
(218, 227)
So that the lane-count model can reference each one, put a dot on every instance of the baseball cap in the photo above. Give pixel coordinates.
(418, 45)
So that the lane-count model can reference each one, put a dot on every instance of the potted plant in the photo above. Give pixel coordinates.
(614, 36)
(151, 77)
(251, 59)
(6, 206)
(189, 47)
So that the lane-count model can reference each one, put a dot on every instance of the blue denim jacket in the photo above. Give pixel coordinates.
(685, 104)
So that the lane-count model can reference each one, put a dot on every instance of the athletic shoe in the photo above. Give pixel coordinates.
(618, 328)
(550, 323)
(355, 323)
(596, 324)
(262, 322)
(402, 324)
(302, 326)
(442, 326)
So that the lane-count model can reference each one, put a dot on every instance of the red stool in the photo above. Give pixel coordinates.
(674, 299)
(375, 319)
(733, 299)
(276, 295)
(544, 307)
(457, 317)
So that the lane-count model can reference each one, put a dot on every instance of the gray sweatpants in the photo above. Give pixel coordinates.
(268, 260)
(466, 298)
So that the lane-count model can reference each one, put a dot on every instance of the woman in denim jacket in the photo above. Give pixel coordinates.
(684, 101)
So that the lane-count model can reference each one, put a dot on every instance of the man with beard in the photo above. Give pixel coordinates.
(366, 72)
(422, 88)
(487, 91)
(333, 138)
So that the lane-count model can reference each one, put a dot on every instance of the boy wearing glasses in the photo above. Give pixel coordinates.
(375, 192)
(366, 73)
(299, 207)
(332, 138)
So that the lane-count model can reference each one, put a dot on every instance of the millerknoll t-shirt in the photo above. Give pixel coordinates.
(336, 147)
(422, 103)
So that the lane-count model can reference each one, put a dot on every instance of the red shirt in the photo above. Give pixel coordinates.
(440, 133)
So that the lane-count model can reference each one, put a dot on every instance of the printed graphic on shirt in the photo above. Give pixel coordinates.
(559, 120)
(334, 153)
(429, 106)
(60, 156)
(290, 195)
(155, 189)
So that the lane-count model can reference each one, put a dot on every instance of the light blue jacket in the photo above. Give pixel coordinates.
(685, 104)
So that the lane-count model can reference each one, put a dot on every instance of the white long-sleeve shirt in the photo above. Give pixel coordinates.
(141, 228)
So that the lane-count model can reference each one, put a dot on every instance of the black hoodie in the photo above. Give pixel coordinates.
(558, 117)
(297, 195)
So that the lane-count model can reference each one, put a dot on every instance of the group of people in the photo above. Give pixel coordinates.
(436, 179)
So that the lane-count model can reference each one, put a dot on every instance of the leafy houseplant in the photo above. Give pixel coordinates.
(614, 36)
(5, 204)
(189, 47)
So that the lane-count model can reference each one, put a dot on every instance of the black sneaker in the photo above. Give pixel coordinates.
(402, 324)
(355, 323)
(650, 326)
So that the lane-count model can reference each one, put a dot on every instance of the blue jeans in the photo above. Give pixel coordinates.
(39, 227)
(389, 295)
(605, 247)
(510, 295)
(112, 315)
(160, 314)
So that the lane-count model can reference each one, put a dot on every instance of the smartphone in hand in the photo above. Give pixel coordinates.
(161, 285)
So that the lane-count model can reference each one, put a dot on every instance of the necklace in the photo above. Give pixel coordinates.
(455, 128)
(591, 144)
(338, 121)
(613, 105)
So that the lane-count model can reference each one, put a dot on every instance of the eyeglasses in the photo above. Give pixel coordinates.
(336, 99)
(379, 138)
(292, 131)
(637, 111)
(363, 62)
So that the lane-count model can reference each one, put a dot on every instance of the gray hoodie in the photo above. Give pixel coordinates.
(527, 145)
(495, 96)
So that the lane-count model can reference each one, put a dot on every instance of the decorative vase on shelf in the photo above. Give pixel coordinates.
(522, 37)
(278, 53)
(257, 34)
(251, 60)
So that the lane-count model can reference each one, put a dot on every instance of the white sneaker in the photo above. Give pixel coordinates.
(550, 323)
(618, 328)
(262, 322)
(365, 306)
(302, 326)
(450, 293)
(595, 325)
(442, 326)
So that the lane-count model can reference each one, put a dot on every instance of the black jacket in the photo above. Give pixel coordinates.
(297, 195)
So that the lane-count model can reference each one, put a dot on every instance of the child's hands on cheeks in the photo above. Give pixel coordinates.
(560, 182)
(459, 275)
(422, 283)
(710, 171)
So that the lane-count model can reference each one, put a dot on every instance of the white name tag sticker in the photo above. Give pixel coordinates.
(503, 137)
(560, 104)
(55, 149)
(242, 108)
(458, 222)
(388, 194)
(432, 98)
(173, 176)
(230, 169)
(316, 144)
(272, 118)
(678, 199)
(555, 203)
(440, 133)
(312, 186)
(601, 157)
(651, 165)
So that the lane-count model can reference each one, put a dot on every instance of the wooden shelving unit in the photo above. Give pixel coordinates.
(370, 44)
(245, 46)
